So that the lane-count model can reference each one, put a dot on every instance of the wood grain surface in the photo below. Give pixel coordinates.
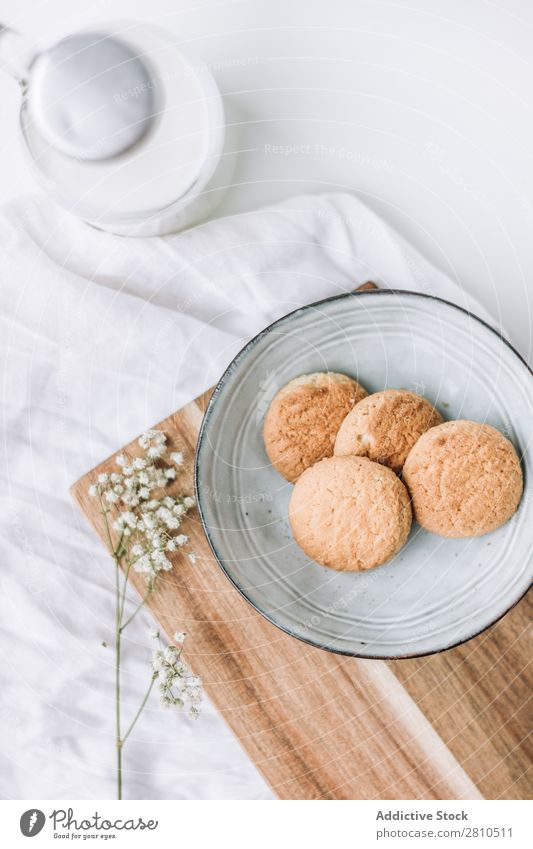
(318, 725)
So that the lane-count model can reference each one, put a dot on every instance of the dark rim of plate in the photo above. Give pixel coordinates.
(364, 293)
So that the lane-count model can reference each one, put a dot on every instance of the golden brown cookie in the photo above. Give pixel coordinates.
(349, 513)
(385, 426)
(304, 417)
(464, 478)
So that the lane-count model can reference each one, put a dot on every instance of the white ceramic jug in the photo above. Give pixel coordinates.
(123, 129)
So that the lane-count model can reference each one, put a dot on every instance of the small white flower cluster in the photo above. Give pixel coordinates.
(148, 526)
(178, 686)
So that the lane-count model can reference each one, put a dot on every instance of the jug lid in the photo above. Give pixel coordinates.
(92, 96)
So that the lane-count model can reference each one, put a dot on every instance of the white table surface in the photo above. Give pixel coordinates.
(421, 107)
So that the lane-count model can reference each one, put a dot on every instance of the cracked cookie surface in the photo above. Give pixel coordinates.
(349, 513)
(464, 478)
(303, 419)
(385, 426)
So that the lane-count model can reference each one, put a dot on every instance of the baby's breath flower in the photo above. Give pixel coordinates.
(146, 529)
(158, 660)
(151, 438)
(126, 519)
(193, 557)
(144, 564)
(178, 687)
(172, 522)
(149, 524)
(155, 452)
(170, 654)
(158, 541)
(160, 561)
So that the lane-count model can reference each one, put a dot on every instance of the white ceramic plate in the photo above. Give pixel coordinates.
(437, 592)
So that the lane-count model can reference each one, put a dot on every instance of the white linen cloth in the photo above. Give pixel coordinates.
(101, 337)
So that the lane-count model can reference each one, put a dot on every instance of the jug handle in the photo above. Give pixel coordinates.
(16, 54)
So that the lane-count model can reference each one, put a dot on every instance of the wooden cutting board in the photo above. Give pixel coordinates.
(318, 725)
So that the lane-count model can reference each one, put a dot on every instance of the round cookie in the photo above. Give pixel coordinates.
(385, 426)
(303, 419)
(349, 513)
(464, 478)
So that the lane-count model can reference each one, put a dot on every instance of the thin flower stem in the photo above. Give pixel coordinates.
(118, 740)
(104, 512)
(124, 590)
(141, 708)
(119, 551)
(150, 529)
(137, 609)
